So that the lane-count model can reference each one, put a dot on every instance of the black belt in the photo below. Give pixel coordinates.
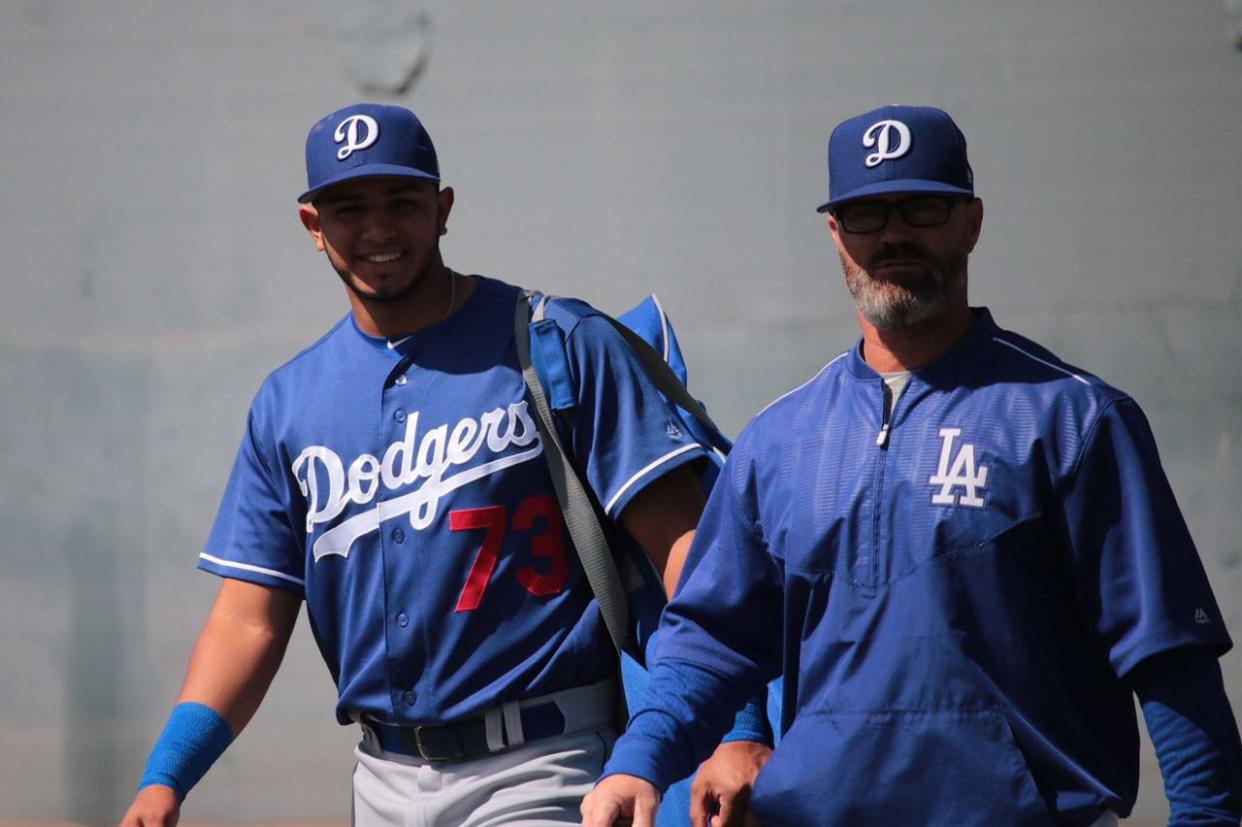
(460, 740)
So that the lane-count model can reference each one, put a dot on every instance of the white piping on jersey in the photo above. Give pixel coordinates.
(803, 385)
(228, 564)
(663, 325)
(1041, 361)
(620, 491)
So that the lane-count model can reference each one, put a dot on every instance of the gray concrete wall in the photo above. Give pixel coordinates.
(154, 271)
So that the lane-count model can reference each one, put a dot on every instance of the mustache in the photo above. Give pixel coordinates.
(904, 250)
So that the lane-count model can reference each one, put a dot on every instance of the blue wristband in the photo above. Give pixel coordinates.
(751, 723)
(194, 737)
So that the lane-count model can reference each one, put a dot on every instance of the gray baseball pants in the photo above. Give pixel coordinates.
(535, 783)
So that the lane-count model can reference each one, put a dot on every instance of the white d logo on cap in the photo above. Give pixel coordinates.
(347, 131)
(883, 141)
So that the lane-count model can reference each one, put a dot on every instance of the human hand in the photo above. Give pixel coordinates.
(725, 781)
(154, 806)
(621, 800)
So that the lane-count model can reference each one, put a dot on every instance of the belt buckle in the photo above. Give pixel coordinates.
(422, 750)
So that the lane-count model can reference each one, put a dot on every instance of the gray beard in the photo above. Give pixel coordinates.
(891, 306)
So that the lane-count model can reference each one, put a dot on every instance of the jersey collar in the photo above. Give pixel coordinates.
(399, 347)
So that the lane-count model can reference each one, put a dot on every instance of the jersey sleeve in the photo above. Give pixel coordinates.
(254, 538)
(720, 638)
(1142, 586)
(624, 433)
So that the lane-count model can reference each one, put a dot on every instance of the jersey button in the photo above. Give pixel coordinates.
(399, 416)
(398, 536)
(401, 380)
(408, 697)
(403, 620)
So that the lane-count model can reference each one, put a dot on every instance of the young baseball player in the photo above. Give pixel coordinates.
(962, 552)
(391, 477)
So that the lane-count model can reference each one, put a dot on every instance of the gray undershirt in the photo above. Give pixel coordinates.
(896, 383)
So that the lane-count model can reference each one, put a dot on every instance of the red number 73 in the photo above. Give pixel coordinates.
(550, 543)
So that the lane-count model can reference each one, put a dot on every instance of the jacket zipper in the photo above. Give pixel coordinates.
(881, 442)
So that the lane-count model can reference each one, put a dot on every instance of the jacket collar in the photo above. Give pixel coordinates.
(964, 356)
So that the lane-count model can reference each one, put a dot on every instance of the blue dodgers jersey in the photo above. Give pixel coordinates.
(955, 607)
(403, 492)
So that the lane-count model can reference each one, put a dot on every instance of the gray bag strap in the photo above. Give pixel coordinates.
(580, 517)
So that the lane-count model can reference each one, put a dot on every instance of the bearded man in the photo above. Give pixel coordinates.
(961, 552)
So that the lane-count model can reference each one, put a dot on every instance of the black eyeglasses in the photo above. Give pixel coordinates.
(872, 216)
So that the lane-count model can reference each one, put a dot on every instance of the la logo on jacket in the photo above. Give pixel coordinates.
(963, 472)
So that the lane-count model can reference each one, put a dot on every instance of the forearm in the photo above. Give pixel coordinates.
(235, 657)
(1195, 736)
(239, 651)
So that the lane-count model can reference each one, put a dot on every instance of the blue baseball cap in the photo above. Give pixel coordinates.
(897, 149)
(366, 140)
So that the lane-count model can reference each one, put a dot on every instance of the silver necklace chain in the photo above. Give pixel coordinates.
(393, 343)
(452, 293)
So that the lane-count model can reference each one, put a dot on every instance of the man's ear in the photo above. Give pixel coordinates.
(444, 203)
(976, 224)
(834, 229)
(310, 220)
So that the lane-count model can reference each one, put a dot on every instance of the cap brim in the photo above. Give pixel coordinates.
(368, 171)
(898, 185)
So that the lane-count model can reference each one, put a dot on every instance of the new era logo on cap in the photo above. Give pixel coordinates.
(367, 140)
(897, 149)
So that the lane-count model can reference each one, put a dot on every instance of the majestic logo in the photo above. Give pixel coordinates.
(1201, 617)
(963, 472)
(880, 136)
(329, 486)
(347, 131)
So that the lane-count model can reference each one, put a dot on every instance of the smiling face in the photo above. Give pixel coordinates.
(903, 275)
(381, 235)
